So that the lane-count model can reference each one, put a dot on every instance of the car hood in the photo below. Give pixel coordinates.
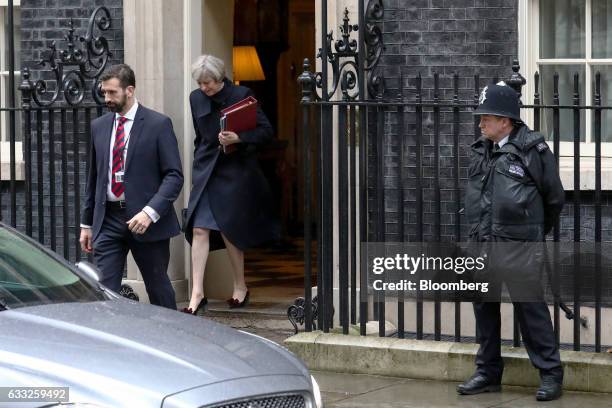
(130, 350)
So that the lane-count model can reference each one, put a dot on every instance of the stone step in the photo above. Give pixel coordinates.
(266, 319)
(268, 310)
(439, 360)
(272, 326)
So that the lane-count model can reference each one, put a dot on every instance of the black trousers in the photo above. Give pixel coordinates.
(517, 265)
(110, 253)
(536, 331)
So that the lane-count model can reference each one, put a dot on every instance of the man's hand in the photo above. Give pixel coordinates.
(85, 240)
(139, 223)
(227, 138)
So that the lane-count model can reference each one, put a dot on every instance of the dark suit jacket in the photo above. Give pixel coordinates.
(153, 172)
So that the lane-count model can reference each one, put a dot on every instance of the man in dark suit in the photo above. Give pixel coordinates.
(134, 178)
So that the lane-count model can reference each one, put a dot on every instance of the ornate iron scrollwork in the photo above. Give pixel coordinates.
(307, 80)
(374, 47)
(343, 73)
(127, 292)
(296, 313)
(343, 57)
(516, 81)
(74, 67)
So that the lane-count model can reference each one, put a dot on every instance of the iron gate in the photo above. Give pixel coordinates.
(55, 113)
(419, 198)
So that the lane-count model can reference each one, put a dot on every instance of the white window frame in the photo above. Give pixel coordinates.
(5, 159)
(529, 57)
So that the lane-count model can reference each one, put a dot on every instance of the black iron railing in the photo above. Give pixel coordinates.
(401, 162)
(56, 116)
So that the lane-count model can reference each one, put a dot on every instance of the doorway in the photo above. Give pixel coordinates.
(282, 32)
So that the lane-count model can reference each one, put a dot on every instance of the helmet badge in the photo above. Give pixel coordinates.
(483, 95)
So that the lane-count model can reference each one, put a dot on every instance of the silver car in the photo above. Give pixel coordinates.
(64, 337)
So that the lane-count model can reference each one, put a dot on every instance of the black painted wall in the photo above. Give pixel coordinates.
(466, 37)
(42, 22)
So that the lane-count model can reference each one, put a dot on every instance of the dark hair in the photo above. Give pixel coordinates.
(123, 73)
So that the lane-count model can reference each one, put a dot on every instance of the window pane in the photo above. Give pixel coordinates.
(17, 38)
(566, 96)
(602, 23)
(606, 99)
(30, 276)
(562, 33)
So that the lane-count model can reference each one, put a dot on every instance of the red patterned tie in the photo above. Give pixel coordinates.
(118, 148)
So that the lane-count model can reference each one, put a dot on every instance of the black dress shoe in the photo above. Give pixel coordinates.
(550, 389)
(477, 384)
(235, 303)
(201, 305)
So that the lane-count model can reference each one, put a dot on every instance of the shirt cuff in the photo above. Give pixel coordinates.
(151, 213)
(85, 226)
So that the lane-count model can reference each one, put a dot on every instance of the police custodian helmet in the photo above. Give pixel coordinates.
(499, 100)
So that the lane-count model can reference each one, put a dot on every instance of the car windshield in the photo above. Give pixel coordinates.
(30, 276)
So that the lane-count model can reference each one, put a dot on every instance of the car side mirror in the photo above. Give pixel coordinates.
(89, 270)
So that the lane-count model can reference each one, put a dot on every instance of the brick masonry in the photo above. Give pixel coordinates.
(445, 37)
(426, 37)
(42, 22)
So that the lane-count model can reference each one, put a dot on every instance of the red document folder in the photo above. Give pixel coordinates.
(239, 117)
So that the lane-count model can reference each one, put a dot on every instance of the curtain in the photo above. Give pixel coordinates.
(562, 31)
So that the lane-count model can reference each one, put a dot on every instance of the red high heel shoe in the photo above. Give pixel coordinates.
(201, 305)
(235, 303)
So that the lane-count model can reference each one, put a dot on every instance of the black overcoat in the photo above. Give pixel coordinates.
(239, 194)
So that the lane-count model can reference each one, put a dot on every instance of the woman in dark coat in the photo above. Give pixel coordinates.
(229, 193)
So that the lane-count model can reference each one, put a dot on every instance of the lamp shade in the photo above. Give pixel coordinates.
(246, 64)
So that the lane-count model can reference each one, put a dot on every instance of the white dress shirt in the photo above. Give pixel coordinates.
(502, 142)
(127, 128)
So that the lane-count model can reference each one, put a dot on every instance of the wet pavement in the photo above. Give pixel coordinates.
(341, 390)
(368, 391)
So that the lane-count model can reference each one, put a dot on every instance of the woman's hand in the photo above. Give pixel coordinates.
(227, 138)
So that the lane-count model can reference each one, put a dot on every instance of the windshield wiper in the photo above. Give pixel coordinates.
(3, 305)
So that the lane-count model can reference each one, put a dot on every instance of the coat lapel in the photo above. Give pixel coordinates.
(201, 104)
(135, 135)
(107, 133)
(201, 107)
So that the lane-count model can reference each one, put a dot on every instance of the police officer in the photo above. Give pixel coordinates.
(514, 194)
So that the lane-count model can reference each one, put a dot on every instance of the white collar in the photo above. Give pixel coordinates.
(131, 114)
(503, 141)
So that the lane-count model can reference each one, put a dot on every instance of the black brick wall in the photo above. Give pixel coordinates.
(444, 37)
(44, 21)
(466, 37)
